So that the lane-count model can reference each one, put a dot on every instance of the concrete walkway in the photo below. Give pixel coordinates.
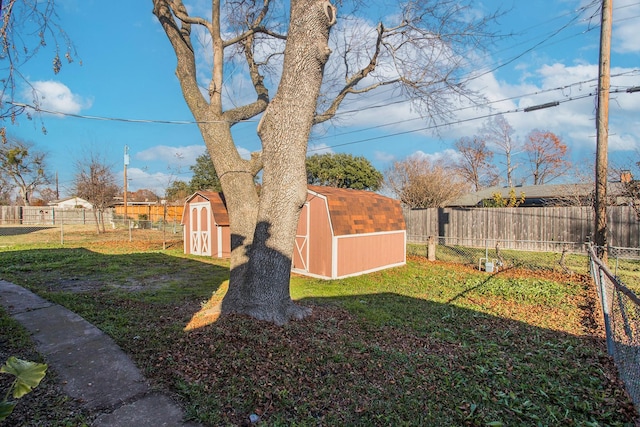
(93, 369)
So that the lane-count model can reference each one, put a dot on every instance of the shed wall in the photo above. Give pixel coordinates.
(226, 241)
(186, 223)
(320, 236)
(369, 252)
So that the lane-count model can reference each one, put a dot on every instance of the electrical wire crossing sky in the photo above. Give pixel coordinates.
(122, 92)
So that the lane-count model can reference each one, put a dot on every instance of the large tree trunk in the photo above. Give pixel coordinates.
(262, 228)
(261, 289)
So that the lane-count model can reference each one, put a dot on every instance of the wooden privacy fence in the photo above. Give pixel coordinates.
(556, 224)
(151, 212)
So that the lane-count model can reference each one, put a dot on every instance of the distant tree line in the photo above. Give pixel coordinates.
(334, 170)
(418, 181)
(539, 159)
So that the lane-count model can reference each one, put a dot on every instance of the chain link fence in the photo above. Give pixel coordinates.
(495, 254)
(625, 263)
(621, 310)
(69, 231)
(616, 290)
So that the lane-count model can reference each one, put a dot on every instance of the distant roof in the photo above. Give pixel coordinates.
(359, 212)
(550, 192)
(74, 199)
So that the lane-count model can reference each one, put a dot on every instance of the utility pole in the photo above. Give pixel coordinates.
(126, 163)
(602, 129)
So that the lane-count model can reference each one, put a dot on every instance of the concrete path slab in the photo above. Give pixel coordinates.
(92, 367)
(17, 299)
(135, 414)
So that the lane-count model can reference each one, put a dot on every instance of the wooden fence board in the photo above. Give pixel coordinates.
(151, 212)
(573, 224)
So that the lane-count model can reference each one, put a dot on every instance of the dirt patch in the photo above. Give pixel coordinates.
(83, 285)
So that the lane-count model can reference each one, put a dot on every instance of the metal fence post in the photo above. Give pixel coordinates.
(606, 311)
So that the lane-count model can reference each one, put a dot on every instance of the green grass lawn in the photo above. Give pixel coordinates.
(628, 271)
(425, 344)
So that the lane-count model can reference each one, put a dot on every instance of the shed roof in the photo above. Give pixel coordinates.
(218, 205)
(351, 211)
(359, 212)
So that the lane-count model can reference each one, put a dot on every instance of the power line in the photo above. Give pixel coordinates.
(488, 103)
(546, 39)
(577, 12)
(632, 89)
(189, 122)
(386, 104)
(435, 126)
(117, 119)
(528, 50)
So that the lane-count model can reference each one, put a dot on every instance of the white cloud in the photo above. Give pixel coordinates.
(624, 143)
(626, 37)
(183, 155)
(142, 179)
(55, 97)
(244, 153)
(447, 156)
(536, 74)
(383, 156)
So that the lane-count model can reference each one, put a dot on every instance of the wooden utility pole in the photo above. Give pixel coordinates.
(602, 129)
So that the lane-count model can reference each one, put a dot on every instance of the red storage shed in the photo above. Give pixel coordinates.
(206, 225)
(341, 232)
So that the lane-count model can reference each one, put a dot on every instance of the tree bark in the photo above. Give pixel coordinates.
(284, 131)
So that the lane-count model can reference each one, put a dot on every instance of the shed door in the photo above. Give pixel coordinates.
(301, 252)
(200, 228)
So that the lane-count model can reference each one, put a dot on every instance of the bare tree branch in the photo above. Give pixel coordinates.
(27, 28)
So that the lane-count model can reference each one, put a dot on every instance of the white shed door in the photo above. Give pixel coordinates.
(200, 228)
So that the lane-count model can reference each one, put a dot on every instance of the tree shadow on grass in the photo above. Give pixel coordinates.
(389, 359)
(368, 359)
(17, 231)
(81, 270)
(508, 370)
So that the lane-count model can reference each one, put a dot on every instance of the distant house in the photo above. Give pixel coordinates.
(543, 195)
(341, 232)
(71, 203)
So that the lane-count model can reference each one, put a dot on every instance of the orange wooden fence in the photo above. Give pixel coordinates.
(152, 212)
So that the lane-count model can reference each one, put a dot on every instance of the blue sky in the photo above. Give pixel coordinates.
(125, 86)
